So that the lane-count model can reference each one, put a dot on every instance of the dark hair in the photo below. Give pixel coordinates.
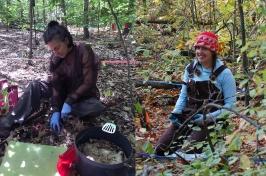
(55, 31)
(214, 58)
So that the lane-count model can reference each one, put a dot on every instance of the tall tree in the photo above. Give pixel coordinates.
(192, 11)
(99, 14)
(21, 12)
(131, 7)
(8, 4)
(86, 19)
(145, 6)
(244, 53)
(32, 3)
(63, 8)
(43, 12)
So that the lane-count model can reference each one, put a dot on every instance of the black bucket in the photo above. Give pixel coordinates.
(87, 167)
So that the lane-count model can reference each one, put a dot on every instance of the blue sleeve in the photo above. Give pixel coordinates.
(227, 83)
(182, 99)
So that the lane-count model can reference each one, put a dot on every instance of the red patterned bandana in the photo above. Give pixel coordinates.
(208, 40)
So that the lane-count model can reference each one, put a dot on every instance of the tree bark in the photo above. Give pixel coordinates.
(7, 17)
(31, 23)
(99, 13)
(21, 12)
(244, 54)
(145, 6)
(86, 19)
(131, 7)
(63, 8)
(43, 12)
(192, 11)
(234, 34)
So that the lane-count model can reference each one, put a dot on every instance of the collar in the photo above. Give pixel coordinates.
(217, 64)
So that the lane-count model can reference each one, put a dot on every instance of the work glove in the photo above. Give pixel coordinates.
(175, 119)
(55, 122)
(65, 110)
(198, 119)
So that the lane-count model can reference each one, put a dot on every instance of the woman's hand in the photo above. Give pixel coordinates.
(198, 119)
(55, 122)
(65, 111)
(175, 119)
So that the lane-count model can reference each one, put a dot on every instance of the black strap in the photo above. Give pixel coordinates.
(217, 72)
(214, 75)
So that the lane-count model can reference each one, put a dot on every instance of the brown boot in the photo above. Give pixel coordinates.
(164, 141)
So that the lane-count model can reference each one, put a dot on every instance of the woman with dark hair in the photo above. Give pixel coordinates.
(71, 85)
(206, 79)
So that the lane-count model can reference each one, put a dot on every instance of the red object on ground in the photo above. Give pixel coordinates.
(8, 97)
(12, 96)
(120, 62)
(66, 161)
(113, 27)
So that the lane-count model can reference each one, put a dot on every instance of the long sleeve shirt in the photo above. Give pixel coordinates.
(225, 82)
(73, 77)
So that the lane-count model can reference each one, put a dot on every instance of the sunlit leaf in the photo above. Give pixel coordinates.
(148, 148)
(236, 143)
(245, 162)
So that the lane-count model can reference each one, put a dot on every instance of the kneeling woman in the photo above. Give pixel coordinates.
(206, 79)
(71, 87)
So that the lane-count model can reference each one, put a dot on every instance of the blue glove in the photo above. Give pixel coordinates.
(65, 110)
(55, 122)
(198, 119)
(175, 119)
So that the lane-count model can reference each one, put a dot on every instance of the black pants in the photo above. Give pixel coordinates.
(30, 101)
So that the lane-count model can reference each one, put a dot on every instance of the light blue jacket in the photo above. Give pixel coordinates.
(225, 82)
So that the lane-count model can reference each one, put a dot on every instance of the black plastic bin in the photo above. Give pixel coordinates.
(87, 167)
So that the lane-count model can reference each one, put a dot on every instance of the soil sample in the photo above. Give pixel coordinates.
(103, 151)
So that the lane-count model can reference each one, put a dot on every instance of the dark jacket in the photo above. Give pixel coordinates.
(74, 77)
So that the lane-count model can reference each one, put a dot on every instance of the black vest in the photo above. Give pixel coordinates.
(202, 92)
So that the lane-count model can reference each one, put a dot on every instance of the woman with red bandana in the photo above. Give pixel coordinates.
(206, 79)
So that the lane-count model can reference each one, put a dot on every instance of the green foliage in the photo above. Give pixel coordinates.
(235, 144)
(170, 64)
(138, 107)
(165, 173)
(74, 12)
(148, 148)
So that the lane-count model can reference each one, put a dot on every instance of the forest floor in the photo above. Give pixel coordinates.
(112, 83)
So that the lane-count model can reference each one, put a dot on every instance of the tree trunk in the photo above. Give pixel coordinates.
(131, 7)
(244, 54)
(234, 34)
(99, 13)
(214, 5)
(192, 11)
(43, 12)
(31, 23)
(86, 19)
(21, 12)
(145, 6)
(63, 8)
(7, 16)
